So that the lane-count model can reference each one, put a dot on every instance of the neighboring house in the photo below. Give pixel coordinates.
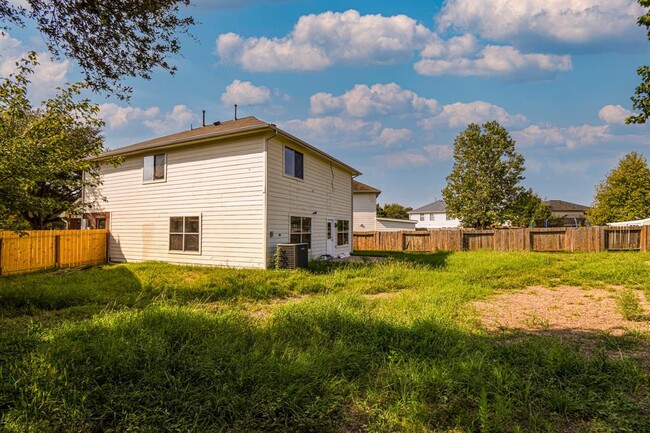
(567, 214)
(433, 216)
(365, 211)
(226, 195)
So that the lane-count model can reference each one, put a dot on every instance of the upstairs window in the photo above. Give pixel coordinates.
(185, 234)
(154, 168)
(421, 217)
(293, 163)
(342, 232)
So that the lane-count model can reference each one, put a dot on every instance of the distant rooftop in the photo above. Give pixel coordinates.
(437, 206)
(561, 206)
(362, 187)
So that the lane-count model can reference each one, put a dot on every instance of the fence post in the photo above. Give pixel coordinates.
(57, 251)
(107, 248)
(0, 257)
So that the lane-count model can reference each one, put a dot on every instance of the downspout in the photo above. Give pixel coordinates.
(265, 224)
(351, 227)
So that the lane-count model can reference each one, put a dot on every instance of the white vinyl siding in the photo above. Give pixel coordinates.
(365, 211)
(324, 193)
(223, 181)
(437, 220)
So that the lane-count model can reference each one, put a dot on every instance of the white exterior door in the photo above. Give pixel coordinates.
(331, 233)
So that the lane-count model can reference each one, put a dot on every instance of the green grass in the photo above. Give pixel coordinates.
(630, 306)
(157, 347)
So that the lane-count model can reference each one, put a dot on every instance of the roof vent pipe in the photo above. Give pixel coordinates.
(235, 111)
(203, 123)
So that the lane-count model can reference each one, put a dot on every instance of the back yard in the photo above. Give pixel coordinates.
(462, 342)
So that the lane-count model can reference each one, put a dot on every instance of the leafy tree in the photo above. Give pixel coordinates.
(527, 208)
(641, 98)
(44, 151)
(393, 210)
(110, 40)
(484, 182)
(624, 194)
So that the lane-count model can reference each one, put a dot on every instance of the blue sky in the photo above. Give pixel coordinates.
(386, 86)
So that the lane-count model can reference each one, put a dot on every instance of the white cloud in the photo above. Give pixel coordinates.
(351, 39)
(405, 159)
(334, 131)
(245, 93)
(496, 60)
(614, 114)
(390, 137)
(417, 158)
(47, 75)
(461, 114)
(326, 39)
(440, 152)
(378, 99)
(176, 120)
(528, 22)
(118, 117)
(570, 137)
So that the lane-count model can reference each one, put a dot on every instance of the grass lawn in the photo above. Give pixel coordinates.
(385, 346)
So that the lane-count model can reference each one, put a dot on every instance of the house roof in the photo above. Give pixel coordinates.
(561, 205)
(362, 187)
(225, 129)
(436, 206)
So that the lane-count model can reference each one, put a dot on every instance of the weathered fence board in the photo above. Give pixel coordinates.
(587, 239)
(42, 249)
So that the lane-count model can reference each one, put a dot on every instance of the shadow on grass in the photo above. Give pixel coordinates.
(24, 294)
(437, 259)
(326, 365)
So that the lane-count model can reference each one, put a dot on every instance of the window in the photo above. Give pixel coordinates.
(293, 163)
(154, 168)
(100, 223)
(421, 217)
(342, 232)
(449, 218)
(184, 234)
(301, 230)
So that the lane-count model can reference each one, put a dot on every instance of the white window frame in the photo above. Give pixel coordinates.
(342, 232)
(153, 160)
(169, 233)
(284, 156)
(310, 232)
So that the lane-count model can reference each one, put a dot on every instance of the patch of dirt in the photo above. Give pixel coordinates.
(566, 308)
(381, 295)
(588, 318)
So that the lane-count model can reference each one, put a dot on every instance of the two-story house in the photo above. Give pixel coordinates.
(433, 216)
(224, 194)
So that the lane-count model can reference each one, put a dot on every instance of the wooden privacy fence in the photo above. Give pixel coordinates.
(42, 249)
(588, 239)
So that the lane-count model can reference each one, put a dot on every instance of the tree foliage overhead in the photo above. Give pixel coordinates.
(641, 98)
(624, 194)
(484, 182)
(43, 152)
(393, 210)
(111, 40)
